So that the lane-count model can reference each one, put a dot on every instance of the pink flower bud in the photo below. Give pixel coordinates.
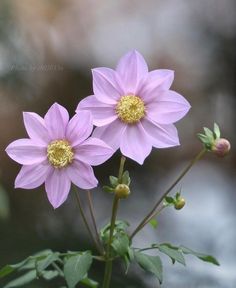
(221, 147)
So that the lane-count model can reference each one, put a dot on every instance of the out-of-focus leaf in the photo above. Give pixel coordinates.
(201, 256)
(76, 268)
(154, 223)
(121, 243)
(151, 264)
(22, 280)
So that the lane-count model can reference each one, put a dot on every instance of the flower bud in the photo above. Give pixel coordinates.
(122, 191)
(179, 204)
(221, 147)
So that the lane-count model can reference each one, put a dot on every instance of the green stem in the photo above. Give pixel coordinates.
(91, 210)
(154, 211)
(116, 200)
(121, 169)
(86, 222)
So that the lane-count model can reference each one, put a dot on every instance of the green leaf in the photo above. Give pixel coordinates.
(121, 243)
(201, 256)
(113, 181)
(76, 268)
(172, 252)
(169, 199)
(22, 280)
(108, 189)
(44, 263)
(150, 263)
(89, 282)
(50, 274)
(8, 269)
(154, 223)
(216, 131)
(125, 178)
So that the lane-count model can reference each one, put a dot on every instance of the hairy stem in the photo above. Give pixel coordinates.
(154, 211)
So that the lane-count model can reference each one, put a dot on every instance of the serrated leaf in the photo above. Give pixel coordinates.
(89, 282)
(125, 178)
(201, 256)
(150, 264)
(172, 252)
(154, 223)
(113, 181)
(76, 268)
(22, 280)
(108, 189)
(216, 131)
(120, 243)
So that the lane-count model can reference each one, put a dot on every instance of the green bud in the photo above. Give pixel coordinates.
(122, 191)
(179, 204)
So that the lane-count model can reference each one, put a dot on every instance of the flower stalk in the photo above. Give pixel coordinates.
(116, 200)
(86, 223)
(155, 209)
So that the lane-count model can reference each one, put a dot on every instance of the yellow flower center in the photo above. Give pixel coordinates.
(59, 153)
(130, 109)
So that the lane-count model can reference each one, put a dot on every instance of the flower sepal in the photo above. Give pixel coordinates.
(213, 142)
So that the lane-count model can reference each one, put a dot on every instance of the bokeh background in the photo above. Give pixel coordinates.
(47, 50)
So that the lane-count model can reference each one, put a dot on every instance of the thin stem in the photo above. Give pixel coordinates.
(115, 205)
(91, 210)
(86, 222)
(153, 211)
(61, 273)
(108, 268)
(121, 169)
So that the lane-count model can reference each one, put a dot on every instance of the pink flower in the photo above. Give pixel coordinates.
(133, 108)
(58, 152)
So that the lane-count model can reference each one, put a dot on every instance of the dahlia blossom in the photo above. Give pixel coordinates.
(58, 152)
(133, 108)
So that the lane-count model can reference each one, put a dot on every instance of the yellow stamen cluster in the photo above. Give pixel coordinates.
(59, 153)
(130, 109)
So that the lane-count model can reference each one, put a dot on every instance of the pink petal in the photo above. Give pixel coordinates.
(106, 85)
(56, 121)
(26, 151)
(103, 114)
(135, 143)
(161, 136)
(93, 151)
(35, 127)
(79, 128)
(82, 175)
(111, 134)
(32, 176)
(57, 186)
(131, 69)
(155, 82)
(168, 108)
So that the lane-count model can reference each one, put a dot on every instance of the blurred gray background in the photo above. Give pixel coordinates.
(47, 49)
